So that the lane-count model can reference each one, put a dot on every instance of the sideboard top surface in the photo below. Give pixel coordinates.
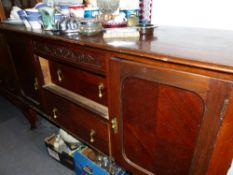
(204, 48)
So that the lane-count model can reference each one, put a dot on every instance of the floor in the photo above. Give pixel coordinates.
(22, 151)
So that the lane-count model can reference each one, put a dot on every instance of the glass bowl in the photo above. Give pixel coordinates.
(108, 6)
(146, 29)
(68, 25)
(90, 26)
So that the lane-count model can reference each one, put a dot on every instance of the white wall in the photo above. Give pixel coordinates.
(230, 171)
(217, 14)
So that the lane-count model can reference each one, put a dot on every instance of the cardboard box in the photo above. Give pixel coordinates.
(63, 157)
(85, 166)
(82, 160)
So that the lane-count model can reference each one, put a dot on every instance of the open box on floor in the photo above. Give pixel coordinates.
(85, 165)
(62, 157)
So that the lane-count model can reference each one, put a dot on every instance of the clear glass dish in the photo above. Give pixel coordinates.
(89, 26)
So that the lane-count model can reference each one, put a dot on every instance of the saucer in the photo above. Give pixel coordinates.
(13, 21)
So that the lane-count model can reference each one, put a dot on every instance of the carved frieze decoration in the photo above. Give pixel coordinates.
(66, 53)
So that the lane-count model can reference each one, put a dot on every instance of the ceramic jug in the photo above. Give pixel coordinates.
(47, 14)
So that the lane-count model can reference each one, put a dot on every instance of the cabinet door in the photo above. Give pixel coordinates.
(167, 119)
(7, 72)
(26, 66)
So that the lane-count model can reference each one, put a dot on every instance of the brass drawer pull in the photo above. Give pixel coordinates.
(100, 89)
(114, 125)
(36, 84)
(92, 135)
(55, 113)
(60, 75)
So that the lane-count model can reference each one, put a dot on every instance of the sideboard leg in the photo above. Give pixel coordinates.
(31, 116)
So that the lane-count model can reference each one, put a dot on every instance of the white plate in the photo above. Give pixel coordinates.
(67, 137)
(13, 21)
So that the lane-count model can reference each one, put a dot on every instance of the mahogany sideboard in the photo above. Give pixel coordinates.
(160, 104)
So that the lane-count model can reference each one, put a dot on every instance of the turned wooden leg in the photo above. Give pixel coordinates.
(31, 116)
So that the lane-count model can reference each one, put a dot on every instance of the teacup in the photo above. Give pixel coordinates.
(22, 14)
(77, 11)
(129, 12)
(34, 21)
(32, 12)
(64, 9)
(57, 17)
(40, 5)
(14, 12)
(91, 12)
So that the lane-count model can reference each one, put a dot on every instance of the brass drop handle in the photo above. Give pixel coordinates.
(100, 89)
(60, 75)
(92, 135)
(36, 84)
(55, 113)
(114, 125)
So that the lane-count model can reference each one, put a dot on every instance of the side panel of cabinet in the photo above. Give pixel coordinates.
(168, 120)
(26, 66)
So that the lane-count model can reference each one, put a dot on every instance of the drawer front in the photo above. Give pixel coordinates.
(86, 58)
(82, 123)
(81, 82)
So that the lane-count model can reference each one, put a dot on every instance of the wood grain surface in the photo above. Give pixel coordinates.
(205, 48)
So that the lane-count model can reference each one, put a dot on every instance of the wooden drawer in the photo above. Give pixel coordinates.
(84, 83)
(77, 120)
(83, 57)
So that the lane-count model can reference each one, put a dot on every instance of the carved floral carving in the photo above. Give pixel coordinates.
(66, 53)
